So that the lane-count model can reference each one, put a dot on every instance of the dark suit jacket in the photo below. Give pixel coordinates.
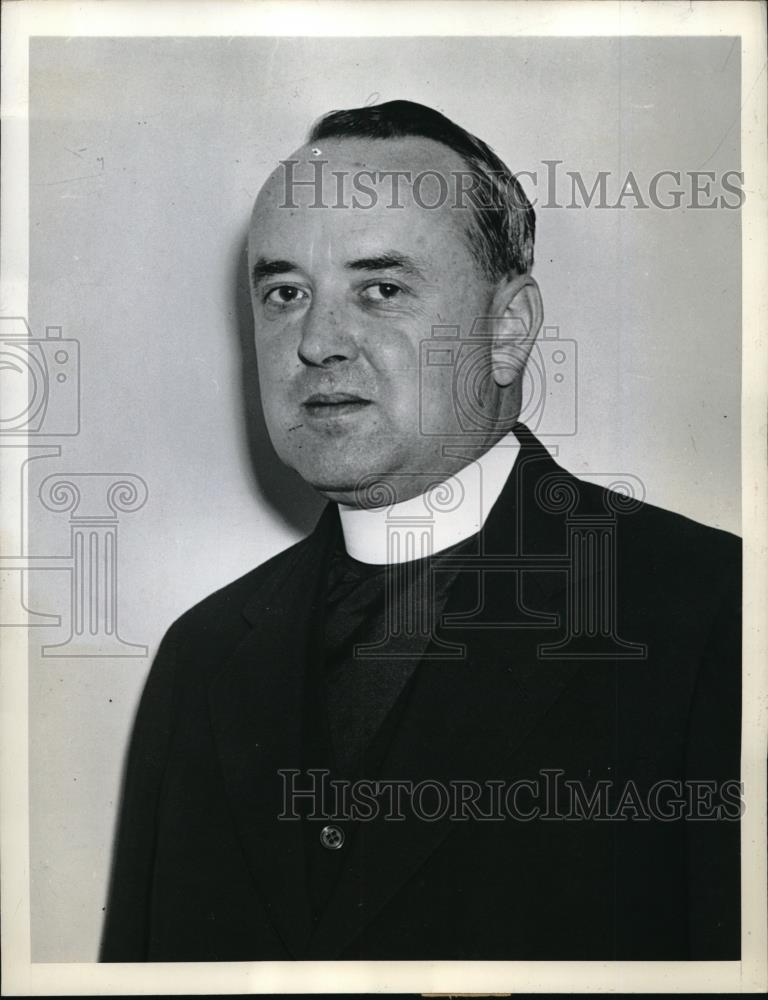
(647, 690)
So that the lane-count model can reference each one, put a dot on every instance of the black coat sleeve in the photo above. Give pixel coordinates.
(126, 929)
(713, 758)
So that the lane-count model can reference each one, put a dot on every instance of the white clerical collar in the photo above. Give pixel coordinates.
(445, 515)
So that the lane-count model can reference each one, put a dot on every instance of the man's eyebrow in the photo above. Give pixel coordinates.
(263, 268)
(387, 262)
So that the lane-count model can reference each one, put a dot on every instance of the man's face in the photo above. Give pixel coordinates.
(343, 298)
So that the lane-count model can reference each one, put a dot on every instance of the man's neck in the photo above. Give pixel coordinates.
(446, 514)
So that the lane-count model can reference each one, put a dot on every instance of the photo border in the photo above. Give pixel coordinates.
(24, 19)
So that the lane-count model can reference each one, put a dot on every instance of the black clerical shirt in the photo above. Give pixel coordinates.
(378, 622)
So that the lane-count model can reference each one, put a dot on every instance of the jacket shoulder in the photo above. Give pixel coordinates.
(642, 526)
(226, 603)
(664, 536)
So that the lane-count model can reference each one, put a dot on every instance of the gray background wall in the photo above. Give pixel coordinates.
(145, 157)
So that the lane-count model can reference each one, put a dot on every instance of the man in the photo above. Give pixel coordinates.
(485, 710)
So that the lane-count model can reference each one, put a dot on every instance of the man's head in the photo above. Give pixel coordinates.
(390, 225)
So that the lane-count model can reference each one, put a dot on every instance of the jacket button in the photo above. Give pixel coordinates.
(332, 837)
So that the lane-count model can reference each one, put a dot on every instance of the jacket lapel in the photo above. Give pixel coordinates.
(468, 718)
(257, 704)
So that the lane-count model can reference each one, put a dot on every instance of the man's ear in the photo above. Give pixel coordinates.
(519, 314)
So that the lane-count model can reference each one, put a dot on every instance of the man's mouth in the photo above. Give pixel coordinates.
(334, 404)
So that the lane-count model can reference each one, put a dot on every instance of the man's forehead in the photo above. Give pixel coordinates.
(354, 163)
(329, 202)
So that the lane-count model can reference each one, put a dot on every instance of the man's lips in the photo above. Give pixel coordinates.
(328, 404)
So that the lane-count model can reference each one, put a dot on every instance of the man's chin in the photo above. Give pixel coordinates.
(362, 484)
(372, 489)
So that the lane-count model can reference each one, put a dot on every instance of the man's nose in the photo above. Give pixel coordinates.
(325, 337)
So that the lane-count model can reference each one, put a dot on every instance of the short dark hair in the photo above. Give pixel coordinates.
(503, 221)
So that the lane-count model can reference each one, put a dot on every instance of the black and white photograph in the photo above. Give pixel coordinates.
(383, 446)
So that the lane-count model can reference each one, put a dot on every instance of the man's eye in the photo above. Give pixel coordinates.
(382, 291)
(284, 295)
